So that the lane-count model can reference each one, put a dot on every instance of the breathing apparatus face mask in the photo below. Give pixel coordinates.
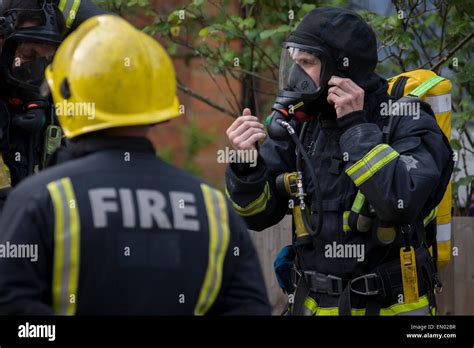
(299, 71)
(303, 77)
(30, 61)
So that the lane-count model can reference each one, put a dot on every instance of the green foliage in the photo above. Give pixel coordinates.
(194, 140)
(166, 153)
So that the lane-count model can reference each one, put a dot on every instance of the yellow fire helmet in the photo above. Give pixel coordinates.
(108, 74)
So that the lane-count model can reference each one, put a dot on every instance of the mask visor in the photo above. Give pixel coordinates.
(299, 71)
(30, 61)
(304, 69)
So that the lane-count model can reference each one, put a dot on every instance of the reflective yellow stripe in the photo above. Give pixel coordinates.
(69, 10)
(358, 202)
(376, 167)
(426, 86)
(218, 243)
(345, 221)
(335, 312)
(431, 216)
(255, 207)
(225, 235)
(372, 162)
(311, 304)
(397, 309)
(402, 308)
(300, 104)
(75, 244)
(62, 3)
(58, 245)
(5, 179)
(66, 247)
(356, 166)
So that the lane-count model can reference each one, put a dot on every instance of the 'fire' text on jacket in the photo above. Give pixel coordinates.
(151, 208)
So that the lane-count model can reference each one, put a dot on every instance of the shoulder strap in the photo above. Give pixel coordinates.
(426, 86)
(399, 87)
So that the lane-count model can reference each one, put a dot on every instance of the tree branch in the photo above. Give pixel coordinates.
(236, 99)
(454, 50)
(206, 100)
(244, 37)
(258, 76)
(400, 60)
(219, 87)
(419, 39)
(443, 26)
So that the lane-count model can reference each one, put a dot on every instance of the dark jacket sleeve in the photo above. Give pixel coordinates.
(24, 289)
(243, 290)
(252, 190)
(3, 197)
(402, 178)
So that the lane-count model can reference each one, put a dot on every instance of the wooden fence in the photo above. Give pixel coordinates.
(457, 297)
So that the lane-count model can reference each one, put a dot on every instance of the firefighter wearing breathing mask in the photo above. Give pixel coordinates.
(358, 189)
(30, 32)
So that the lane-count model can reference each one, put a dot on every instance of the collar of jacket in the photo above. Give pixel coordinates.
(328, 122)
(373, 100)
(85, 146)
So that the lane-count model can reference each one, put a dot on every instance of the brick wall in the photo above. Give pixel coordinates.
(193, 75)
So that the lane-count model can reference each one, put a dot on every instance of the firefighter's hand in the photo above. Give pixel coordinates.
(345, 95)
(245, 131)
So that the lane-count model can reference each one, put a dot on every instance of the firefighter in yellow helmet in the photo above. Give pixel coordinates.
(117, 230)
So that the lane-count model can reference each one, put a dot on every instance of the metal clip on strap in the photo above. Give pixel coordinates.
(323, 283)
(369, 283)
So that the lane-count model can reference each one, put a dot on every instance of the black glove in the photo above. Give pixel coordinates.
(33, 119)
